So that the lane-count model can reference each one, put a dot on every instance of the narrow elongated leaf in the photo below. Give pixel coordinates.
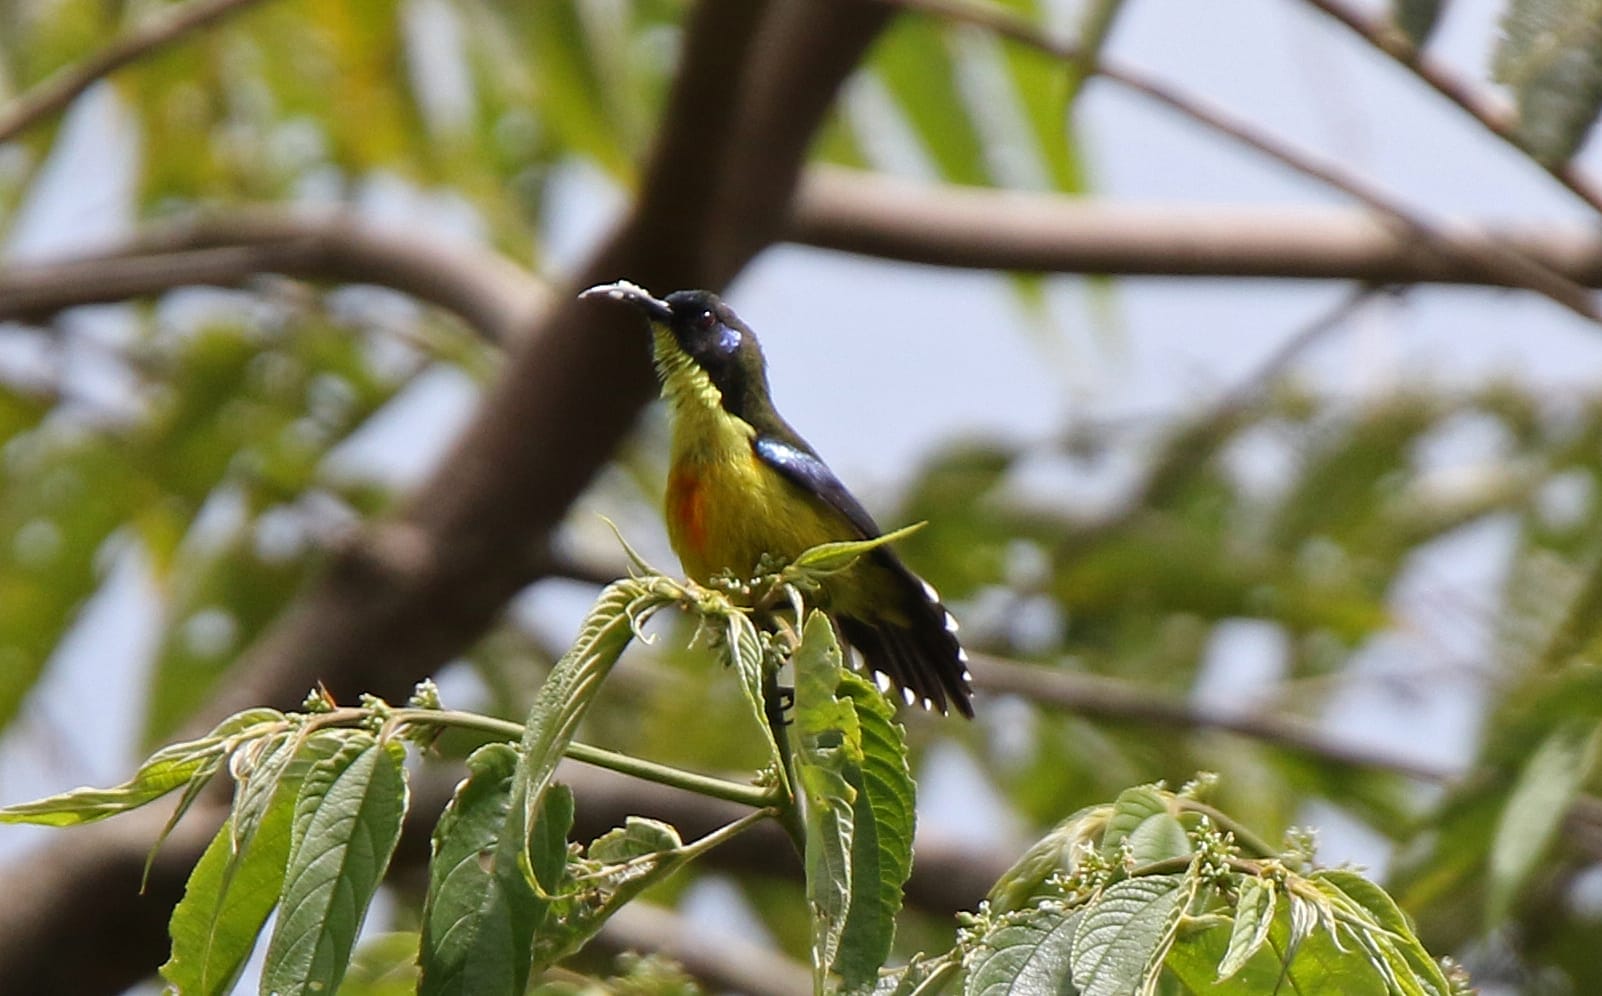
(1535, 810)
(570, 688)
(1551, 57)
(1254, 916)
(827, 736)
(884, 815)
(915, 65)
(236, 884)
(744, 648)
(831, 558)
(166, 770)
(1030, 953)
(1373, 920)
(347, 821)
(1122, 938)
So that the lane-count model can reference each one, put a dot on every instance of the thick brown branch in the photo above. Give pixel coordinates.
(493, 296)
(1013, 230)
(56, 92)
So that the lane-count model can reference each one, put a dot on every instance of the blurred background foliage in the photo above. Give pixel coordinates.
(210, 438)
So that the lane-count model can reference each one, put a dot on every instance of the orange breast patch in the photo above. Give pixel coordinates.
(686, 510)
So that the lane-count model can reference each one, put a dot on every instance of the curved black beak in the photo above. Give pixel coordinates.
(654, 307)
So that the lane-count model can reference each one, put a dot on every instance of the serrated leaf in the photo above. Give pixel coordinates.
(884, 818)
(480, 916)
(827, 736)
(236, 884)
(1030, 953)
(347, 821)
(1254, 917)
(166, 770)
(1141, 817)
(1125, 932)
(1535, 810)
(1551, 56)
(256, 769)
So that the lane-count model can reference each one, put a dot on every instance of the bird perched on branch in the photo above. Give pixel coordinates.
(744, 484)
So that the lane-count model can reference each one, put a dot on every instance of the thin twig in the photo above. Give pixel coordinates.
(1108, 699)
(57, 91)
(1496, 120)
(1511, 266)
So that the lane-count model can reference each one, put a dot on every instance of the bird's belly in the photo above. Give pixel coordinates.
(724, 514)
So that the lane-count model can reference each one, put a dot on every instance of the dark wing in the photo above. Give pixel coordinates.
(805, 468)
(920, 656)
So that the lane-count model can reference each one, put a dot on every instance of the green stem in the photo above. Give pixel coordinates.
(789, 813)
(707, 785)
(1243, 834)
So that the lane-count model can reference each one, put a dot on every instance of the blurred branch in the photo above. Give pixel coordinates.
(1498, 263)
(57, 91)
(493, 296)
(1119, 701)
(719, 961)
(1499, 121)
(973, 227)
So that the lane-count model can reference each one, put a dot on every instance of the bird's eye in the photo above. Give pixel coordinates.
(704, 321)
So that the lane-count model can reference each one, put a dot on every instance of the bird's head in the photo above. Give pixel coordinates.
(700, 342)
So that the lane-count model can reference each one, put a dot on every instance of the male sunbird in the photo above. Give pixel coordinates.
(742, 483)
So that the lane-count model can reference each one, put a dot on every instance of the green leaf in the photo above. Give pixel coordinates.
(569, 689)
(1028, 953)
(1057, 853)
(1141, 819)
(347, 821)
(1535, 810)
(1416, 19)
(236, 884)
(577, 99)
(1551, 57)
(744, 646)
(915, 65)
(167, 769)
(619, 865)
(828, 740)
(884, 816)
(384, 965)
(480, 915)
(1371, 918)
(1123, 936)
(1254, 916)
(832, 558)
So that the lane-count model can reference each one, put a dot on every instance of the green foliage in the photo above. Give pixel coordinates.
(1116, 899)
(1551, 57)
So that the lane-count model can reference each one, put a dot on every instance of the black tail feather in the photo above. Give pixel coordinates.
(922, 656)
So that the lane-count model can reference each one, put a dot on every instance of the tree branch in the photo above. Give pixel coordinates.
(1498, 121)
(56, 92)
(494, 297)
(1116, 701)
(1500, 264)
(974, 227)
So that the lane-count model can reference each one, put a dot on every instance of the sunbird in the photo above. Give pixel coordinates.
(742, 484)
